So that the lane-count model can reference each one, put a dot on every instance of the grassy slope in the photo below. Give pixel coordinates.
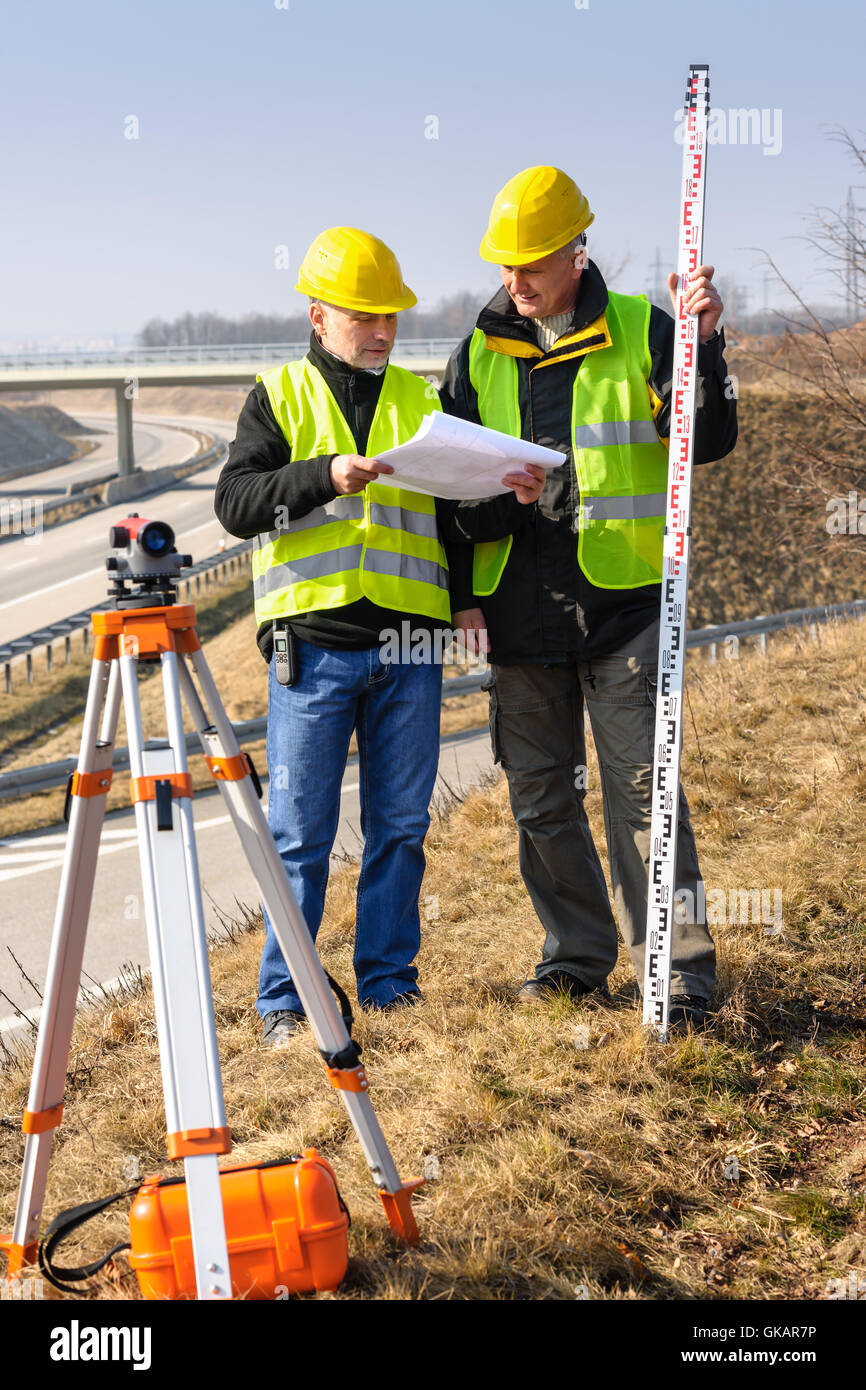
(760, 542)
(564, 1165)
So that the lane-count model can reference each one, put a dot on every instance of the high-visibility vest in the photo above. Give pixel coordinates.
(382, 543)
(621, 464)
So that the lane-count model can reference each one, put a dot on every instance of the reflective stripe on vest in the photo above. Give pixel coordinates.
(615, 432)
(624, 508)
(341, 509)
(346, 558)
(621, 464)
(383, 543)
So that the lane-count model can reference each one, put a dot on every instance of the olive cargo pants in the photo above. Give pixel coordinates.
(537, 730)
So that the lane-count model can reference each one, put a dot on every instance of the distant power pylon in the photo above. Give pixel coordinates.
(853, 255)
(660, 294)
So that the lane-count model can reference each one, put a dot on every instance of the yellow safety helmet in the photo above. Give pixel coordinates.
(354, 270)
(538, 211)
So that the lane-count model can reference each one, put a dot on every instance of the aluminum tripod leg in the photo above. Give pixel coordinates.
(177, 943)
(183, 1002)
(221, 747)
(45, 1100)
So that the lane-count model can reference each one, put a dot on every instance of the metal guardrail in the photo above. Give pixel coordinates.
(85, 489)
(774, 622)
(701, 637)
(216, 352)
(27, 781)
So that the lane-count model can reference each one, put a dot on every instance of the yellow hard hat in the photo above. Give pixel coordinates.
(354, 270)
(537, 211)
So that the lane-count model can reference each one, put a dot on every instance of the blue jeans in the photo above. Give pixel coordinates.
(395, 710)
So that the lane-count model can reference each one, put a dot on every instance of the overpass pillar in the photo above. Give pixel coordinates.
(125, 454)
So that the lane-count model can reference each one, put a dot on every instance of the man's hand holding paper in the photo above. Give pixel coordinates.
(456, 459)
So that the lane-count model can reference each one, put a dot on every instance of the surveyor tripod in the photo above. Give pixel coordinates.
(140, 631)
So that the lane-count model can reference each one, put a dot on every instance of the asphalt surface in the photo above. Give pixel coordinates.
(61, 571)
(157, 442)
(30, 875)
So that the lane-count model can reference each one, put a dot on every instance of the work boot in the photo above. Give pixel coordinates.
(400, 1001)
(405, 1000)
(556, 982)
(280, 1025)
(688, 1010)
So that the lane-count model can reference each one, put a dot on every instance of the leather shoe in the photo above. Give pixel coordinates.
(556, 982)
(688, 1010)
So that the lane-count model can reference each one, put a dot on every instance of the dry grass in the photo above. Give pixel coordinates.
(760, 543)
(560, 1166)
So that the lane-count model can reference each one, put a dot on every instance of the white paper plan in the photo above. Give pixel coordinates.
(447, 457)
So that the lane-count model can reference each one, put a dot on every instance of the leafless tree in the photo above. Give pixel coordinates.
(824, 366)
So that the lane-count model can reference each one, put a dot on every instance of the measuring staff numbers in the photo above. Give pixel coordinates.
(675, 566)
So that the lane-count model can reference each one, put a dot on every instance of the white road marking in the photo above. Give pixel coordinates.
(61, 584)
(56, 862)
(85, 994)
(73, 579)
(44, 855)
(124, 839)
(60, 839)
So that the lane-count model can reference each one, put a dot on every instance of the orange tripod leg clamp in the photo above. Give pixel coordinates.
(398, 1209)
(348, 1078)
(90, 783)
(38, 1121)
(186, 1143)
(19, 1256)
(144, 788)
(229, 769)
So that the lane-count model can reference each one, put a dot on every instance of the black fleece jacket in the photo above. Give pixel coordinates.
(260, 475)
(545, 609)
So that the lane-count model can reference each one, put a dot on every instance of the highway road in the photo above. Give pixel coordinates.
(158, 441)
(30, 876)
(62, 570)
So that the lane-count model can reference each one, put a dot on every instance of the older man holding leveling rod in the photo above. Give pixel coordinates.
(570, 601)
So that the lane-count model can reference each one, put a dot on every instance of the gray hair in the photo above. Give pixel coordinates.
(572, 247)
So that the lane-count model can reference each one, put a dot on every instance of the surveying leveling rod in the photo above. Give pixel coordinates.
(675, 571)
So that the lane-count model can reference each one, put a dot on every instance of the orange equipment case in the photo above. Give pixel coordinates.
(286, 1229)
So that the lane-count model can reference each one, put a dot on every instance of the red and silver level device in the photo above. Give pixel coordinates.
(675, 571)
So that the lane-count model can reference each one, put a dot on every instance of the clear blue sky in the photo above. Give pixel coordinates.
(259, 126)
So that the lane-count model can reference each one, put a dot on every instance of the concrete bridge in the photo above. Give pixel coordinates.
(126, 370)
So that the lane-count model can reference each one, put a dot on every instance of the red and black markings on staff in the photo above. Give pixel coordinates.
(675, 572)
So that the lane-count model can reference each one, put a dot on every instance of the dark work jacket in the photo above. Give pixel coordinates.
(544, 608)
(260, 475)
